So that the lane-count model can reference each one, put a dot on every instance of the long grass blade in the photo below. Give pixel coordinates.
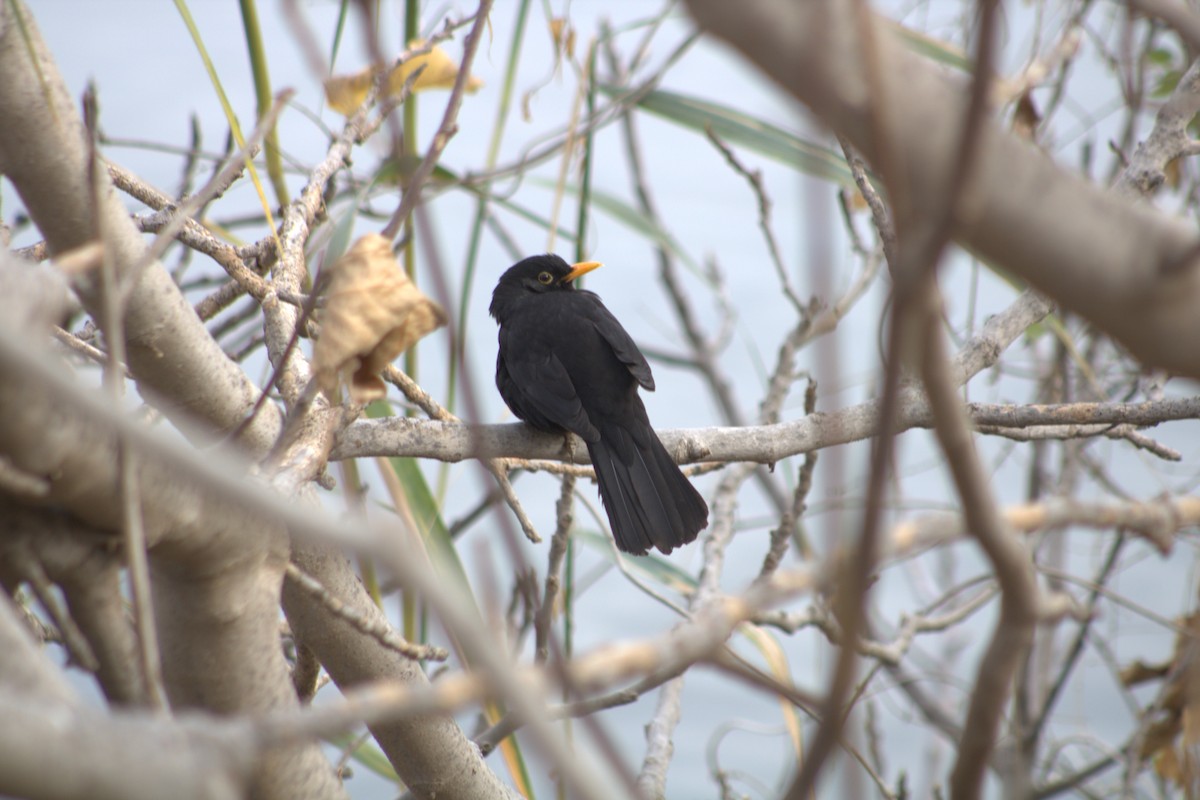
(230, 116)
(263, 97)
(739, 128)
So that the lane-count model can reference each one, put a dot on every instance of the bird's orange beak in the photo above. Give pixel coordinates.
(582, 268)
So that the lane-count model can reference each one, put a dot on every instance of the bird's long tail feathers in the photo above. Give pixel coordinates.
(650, 502)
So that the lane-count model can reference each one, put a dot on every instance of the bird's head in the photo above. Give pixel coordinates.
(535, 275)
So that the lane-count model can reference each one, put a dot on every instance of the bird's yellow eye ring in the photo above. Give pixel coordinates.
(545, 278)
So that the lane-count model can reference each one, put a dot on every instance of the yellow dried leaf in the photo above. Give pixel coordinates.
(564, 35)
(1172, 173)
(440, 71)
(1026, 117)
(1161, 736)
(1141, 672)
(1191, 725)
(856, 200)
(345, 93)
(1166, 764)
(372, 314)
(777, 662)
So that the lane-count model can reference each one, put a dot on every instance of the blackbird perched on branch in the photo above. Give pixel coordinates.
(566, 364)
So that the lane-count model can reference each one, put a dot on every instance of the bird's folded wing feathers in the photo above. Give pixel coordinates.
(623, 347)
(547, 386)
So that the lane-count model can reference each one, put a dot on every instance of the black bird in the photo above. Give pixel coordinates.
(566, 364)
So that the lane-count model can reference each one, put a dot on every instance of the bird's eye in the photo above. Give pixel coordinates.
(545, 278)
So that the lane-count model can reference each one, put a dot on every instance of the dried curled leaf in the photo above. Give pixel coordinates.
(1026, 117)
(563, 35)
(1141, 672)
(440, 71)
(372, 314)
(1170, 737)
(1167, 766)
(346, 93)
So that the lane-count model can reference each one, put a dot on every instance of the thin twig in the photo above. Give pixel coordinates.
(79, 650)
(216, 185)
(558, 550)
(705, 347)
(446, 130)
(754, 178)
(496, 468)
(652, 777)
(1073, 651)
(789, 525)
(1157, 521)
(375, 628)
(1019, 605)
(114, 299)
(192, 234)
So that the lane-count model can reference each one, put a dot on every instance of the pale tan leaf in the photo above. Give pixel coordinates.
(372, 314)
(563, 35)
(1161, 735)
(1173, 172)
(777, 661)
(1141, 672)
(1166, 765)
(1026, 117)
(440, 71)
(345, 93)
(1191, 725)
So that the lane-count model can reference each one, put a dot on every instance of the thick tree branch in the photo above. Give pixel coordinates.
(763, 444)
(53, 746)
(43, 153)
(430, 753)
(1129, 270)
(1012, 563)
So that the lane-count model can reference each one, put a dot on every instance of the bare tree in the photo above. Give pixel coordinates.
(192, 556)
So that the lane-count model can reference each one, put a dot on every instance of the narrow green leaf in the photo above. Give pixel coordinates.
(432, 529)
(234, 127)
(426, 514)
(338, 30)
(263, 97)
(366, 753)
(392, 172)
(1160, 57)
(628, 216)
(933, 49)
(483, 194)
(343, 229)
(585, 189)
(652, 566)
(1166, 83)
(738, 128)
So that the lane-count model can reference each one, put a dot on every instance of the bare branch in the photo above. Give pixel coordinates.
(1093, 253)
(369, 625)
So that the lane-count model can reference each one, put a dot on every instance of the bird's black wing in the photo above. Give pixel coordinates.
(622, 344)
(542, 390)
